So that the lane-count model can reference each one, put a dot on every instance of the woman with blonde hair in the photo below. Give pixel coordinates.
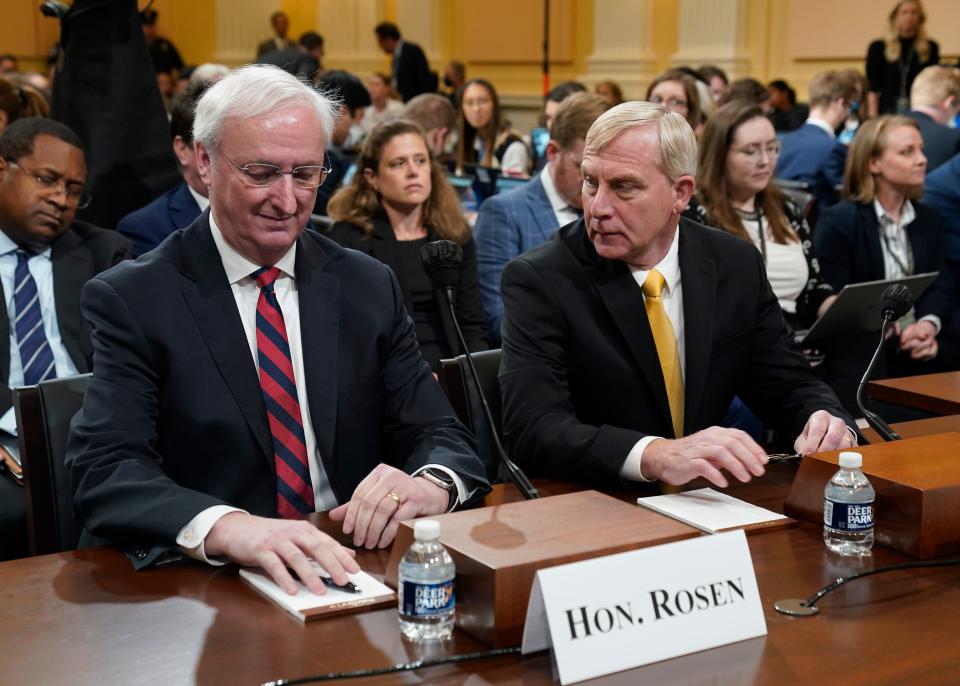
(880, 231)
(398, 201)
(18, 101)
(894, 61)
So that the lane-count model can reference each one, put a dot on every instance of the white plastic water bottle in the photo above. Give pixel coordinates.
(425, 585)
(848, 509)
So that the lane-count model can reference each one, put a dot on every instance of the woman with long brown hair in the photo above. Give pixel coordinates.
(736, 193)
(398, 201)
(894, 61)
(485, 136)
(18, 101)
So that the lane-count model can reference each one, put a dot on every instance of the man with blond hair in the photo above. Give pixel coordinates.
(934, 101)
(628, 333)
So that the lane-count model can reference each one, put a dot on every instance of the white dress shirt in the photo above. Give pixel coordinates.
(561, 210)
(672, 298)
(202, 201)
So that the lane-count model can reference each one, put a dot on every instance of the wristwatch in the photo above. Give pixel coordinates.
(440, 478)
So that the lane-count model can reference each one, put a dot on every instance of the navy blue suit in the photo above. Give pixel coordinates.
(147, 227)
(509, 224)
(810, 154)
(943, 194)
(174, 420)
(940, 142)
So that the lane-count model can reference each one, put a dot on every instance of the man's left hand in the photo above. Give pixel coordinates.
(823, 432)
(920, 340)
(385, 498)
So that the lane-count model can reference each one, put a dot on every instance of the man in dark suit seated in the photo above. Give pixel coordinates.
(248, 368)
(181, 205)
(305, 59)
(629, 332)
(45, 258)
(934, 101)
(812, 153)
(513, 222)
(410, 72)
(280, 23)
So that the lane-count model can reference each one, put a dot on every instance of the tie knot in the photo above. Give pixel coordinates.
(22, 256)
(265, 276)
(653, 284)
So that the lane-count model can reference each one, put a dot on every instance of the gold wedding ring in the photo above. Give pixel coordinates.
(395, 498)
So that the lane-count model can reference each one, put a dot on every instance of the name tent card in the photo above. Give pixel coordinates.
(626, 610)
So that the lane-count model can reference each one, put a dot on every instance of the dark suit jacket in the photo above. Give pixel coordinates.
(77, 256)
(292, 61)
(147, 227)
(269, 45)
(509, 224)
(580, 376)
(809, 154)
(940, 142)
(382, 243)
(942, 192)
(174, 422)
(847, 244)
(413, 72)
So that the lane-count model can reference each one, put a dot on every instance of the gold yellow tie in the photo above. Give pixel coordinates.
(666, 342)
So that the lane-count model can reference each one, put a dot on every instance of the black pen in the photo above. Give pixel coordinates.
(348, 587)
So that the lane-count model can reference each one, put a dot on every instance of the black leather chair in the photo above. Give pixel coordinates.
(43, 414)
(457, 382)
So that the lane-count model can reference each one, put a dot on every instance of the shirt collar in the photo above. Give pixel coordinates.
(396, 50)
(557, 203)
(239, 267)
(202, 202)
(7, 246)
(669, 266)
(821, 124)
(907, 215)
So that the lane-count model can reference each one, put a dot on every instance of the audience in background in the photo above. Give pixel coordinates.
(9, 63)
(17, 101)
(383, 105)
(45, 258)
(454, 78)
(179, 207)
(513, 222)
(485, 137)
(206, 74)
(880, 231)
(304, 60)
(716, 79)
(351, 98)
(735, 193)
(163, 54)
(745, 90)
(398, 201)
(410, 72)
(785, 114)
(610, 92)
(438, 119)
(280, 23)
(934, 102)
(558, 94)
(894, 61)
(811, 153)
(677, 92)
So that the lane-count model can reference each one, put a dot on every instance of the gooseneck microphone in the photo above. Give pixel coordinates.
(441, 261)
(895, 302)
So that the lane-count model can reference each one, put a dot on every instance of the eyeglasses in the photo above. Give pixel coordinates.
(74, 192)
(669, 102)
(260, 174)
(755, 152)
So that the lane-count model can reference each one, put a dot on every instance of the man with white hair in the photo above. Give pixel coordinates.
(247, 372)
(627, 334)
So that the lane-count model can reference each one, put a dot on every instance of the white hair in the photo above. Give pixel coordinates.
(677, 152)
(208, 72)
(255, 91)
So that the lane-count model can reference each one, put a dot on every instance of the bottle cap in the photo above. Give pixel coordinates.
(426, 530)
(850, 460)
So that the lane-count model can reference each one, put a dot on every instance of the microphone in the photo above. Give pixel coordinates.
(895, 302)
(441, 262)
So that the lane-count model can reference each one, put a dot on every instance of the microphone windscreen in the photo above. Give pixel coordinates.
(441, 262)
(896, 300)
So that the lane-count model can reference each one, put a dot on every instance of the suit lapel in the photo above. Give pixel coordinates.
(183, 208)
(71, 269)
(214, 308)
(698, 278)
(319, 296)
(868, 219)
(539, 204)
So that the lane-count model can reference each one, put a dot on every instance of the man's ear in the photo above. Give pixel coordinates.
(204, 163)
(553, 150)
(684, 187)
(182, 150)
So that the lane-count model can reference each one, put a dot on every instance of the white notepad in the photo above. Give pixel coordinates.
(306, 605)
(711, 511)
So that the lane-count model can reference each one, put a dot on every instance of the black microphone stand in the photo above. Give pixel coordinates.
(520, 480)
(873, 419)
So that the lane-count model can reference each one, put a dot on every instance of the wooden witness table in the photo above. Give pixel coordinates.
(935, 393)
(86, 617)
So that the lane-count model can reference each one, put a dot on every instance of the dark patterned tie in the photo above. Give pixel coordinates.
(36, 357)
(294, 490)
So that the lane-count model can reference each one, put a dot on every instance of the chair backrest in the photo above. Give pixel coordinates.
(43, 414)
(457, 382)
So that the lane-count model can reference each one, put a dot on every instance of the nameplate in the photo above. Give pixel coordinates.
(623, 611)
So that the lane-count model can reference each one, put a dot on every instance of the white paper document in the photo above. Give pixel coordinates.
(709, 510)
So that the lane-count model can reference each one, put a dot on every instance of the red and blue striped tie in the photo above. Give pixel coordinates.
(294, 490)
